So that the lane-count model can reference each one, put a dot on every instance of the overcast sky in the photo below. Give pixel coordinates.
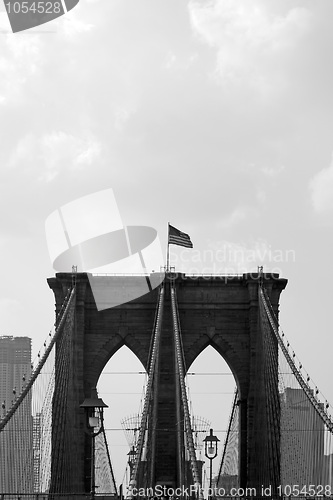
(214, 115)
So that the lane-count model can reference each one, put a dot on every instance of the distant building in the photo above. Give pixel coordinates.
(16, 440)
(227, 482)
(37, 442)
(328, 470)
(302, 440)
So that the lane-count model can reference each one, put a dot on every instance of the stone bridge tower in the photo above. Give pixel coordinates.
(219, 311)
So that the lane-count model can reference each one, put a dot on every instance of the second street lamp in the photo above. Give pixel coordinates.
(93, 408)
(131, 458)
(211, 453)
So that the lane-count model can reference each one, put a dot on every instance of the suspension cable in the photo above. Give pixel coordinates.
(275, 327)
(59, 326)
(145, 411)
(187, 418)
(109, 461)
(226, 442)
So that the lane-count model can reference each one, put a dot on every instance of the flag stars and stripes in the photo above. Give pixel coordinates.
(177, 237)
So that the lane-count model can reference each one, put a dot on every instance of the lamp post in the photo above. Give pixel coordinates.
(211, 453)
(93, 408)
(131, 458)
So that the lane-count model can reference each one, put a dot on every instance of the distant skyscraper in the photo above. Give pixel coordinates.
(328, 470)
(302, 440)
(37, 441)
(16, 440)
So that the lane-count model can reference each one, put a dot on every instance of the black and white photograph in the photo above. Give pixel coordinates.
(166, 242)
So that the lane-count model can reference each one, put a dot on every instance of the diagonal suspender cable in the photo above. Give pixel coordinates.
(59, 327)
(144, 417)
(226, 442)
(110, 469)
(187, 419)
(275, 327)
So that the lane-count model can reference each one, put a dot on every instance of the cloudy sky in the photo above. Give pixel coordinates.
(213, 115)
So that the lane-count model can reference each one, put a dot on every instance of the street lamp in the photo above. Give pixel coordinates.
(211, 453)
(93, 408)
(131, 458)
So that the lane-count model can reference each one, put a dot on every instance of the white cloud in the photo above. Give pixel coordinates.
(71, 25)
(9, 306)
(261, 196)
(171, 60)
(249, 40)
(246, 257)
(236, 217)
(4, 21)
(177, 63)
(53, 152)
(11, 311)
(321, 187)
(19, 62)
(121, 117)
(89, 154)
(230, 257)
(273, 171)
(3, 241)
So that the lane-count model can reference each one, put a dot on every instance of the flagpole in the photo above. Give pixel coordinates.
(167, 269)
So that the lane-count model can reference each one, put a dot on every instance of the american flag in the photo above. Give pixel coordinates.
(177, 237)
